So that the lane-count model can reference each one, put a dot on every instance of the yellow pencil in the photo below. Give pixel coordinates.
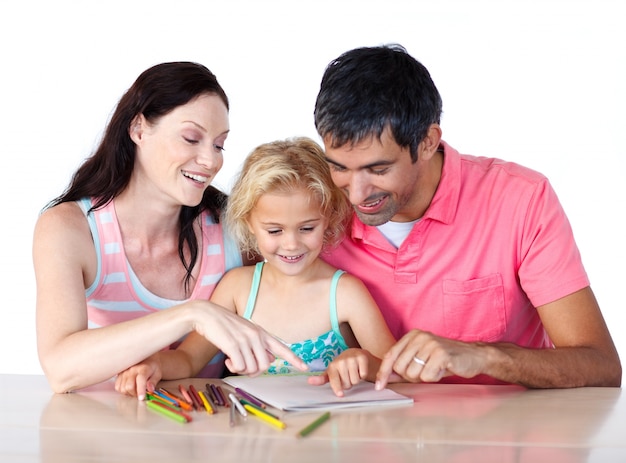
(265, 417)
(207, 404)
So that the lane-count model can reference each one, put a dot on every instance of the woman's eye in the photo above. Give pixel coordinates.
(191, 141)
(218, 147)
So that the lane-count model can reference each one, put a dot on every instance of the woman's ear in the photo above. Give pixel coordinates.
(135, 130)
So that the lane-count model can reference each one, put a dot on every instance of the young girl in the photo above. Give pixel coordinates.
(285, 207)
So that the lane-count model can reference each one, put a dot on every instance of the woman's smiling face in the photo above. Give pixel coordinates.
(179, 155)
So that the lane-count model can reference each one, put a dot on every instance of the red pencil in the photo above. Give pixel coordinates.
(196, 398)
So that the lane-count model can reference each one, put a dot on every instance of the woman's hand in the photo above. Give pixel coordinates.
(248, 347)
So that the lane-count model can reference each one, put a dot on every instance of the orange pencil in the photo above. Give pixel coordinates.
(180, 402)
(186, 395)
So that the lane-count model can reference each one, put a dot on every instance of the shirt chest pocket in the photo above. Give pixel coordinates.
(473, 310)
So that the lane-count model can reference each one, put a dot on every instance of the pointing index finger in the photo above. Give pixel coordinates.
(280, 348)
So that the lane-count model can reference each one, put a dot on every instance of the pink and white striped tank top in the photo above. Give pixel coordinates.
(117, 295)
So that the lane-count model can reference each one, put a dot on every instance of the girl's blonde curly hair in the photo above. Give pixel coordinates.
(282, 167)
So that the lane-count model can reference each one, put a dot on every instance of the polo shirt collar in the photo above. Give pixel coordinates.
(444, 205)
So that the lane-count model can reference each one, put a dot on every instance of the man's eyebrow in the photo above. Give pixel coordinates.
(367, 166)
(333, 162)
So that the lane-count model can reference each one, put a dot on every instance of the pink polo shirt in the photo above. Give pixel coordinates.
(494, 244)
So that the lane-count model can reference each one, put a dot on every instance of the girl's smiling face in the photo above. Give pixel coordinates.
(289, 229)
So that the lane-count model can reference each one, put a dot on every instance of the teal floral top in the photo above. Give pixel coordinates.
(317, 352)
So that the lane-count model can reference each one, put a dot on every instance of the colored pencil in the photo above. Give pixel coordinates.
(179, 401)
(232, 416)
(207, 405)
(159, 399)
(314, 425)
(216, 395)
(223, 398)
(171, 408)
(196, 398)
(165, 398)
(186, 395)
(265, 417)
(237, 404)
(209, 393)
(245, 402)
(250, 398)
(166, 411)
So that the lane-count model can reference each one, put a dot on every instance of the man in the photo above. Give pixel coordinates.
(471, 260)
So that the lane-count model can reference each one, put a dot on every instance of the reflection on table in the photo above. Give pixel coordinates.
(451, 423)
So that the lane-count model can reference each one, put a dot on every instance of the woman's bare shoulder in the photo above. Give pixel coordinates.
(69, 212)
(64, 222)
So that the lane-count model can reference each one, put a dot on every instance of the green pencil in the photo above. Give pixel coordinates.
(314, 425)
(165, 412)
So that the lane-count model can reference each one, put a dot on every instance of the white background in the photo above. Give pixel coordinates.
(537, 82)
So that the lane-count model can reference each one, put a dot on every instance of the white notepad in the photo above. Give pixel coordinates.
(293, 393)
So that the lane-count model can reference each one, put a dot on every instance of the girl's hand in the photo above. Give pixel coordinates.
(345, 371)
(140, 378)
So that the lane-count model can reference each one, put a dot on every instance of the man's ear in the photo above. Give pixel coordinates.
(135, 130)
(430, 143)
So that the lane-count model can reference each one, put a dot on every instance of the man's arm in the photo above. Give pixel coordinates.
(584, 353)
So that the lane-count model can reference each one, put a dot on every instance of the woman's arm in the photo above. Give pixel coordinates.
(74, 357)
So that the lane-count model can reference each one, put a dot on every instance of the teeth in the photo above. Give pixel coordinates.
(292, 257)
(197, 178)
(372, 204)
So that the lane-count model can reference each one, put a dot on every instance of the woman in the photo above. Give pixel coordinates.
(137, 232)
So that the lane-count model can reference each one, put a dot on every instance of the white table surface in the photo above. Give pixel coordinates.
(446, 423)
